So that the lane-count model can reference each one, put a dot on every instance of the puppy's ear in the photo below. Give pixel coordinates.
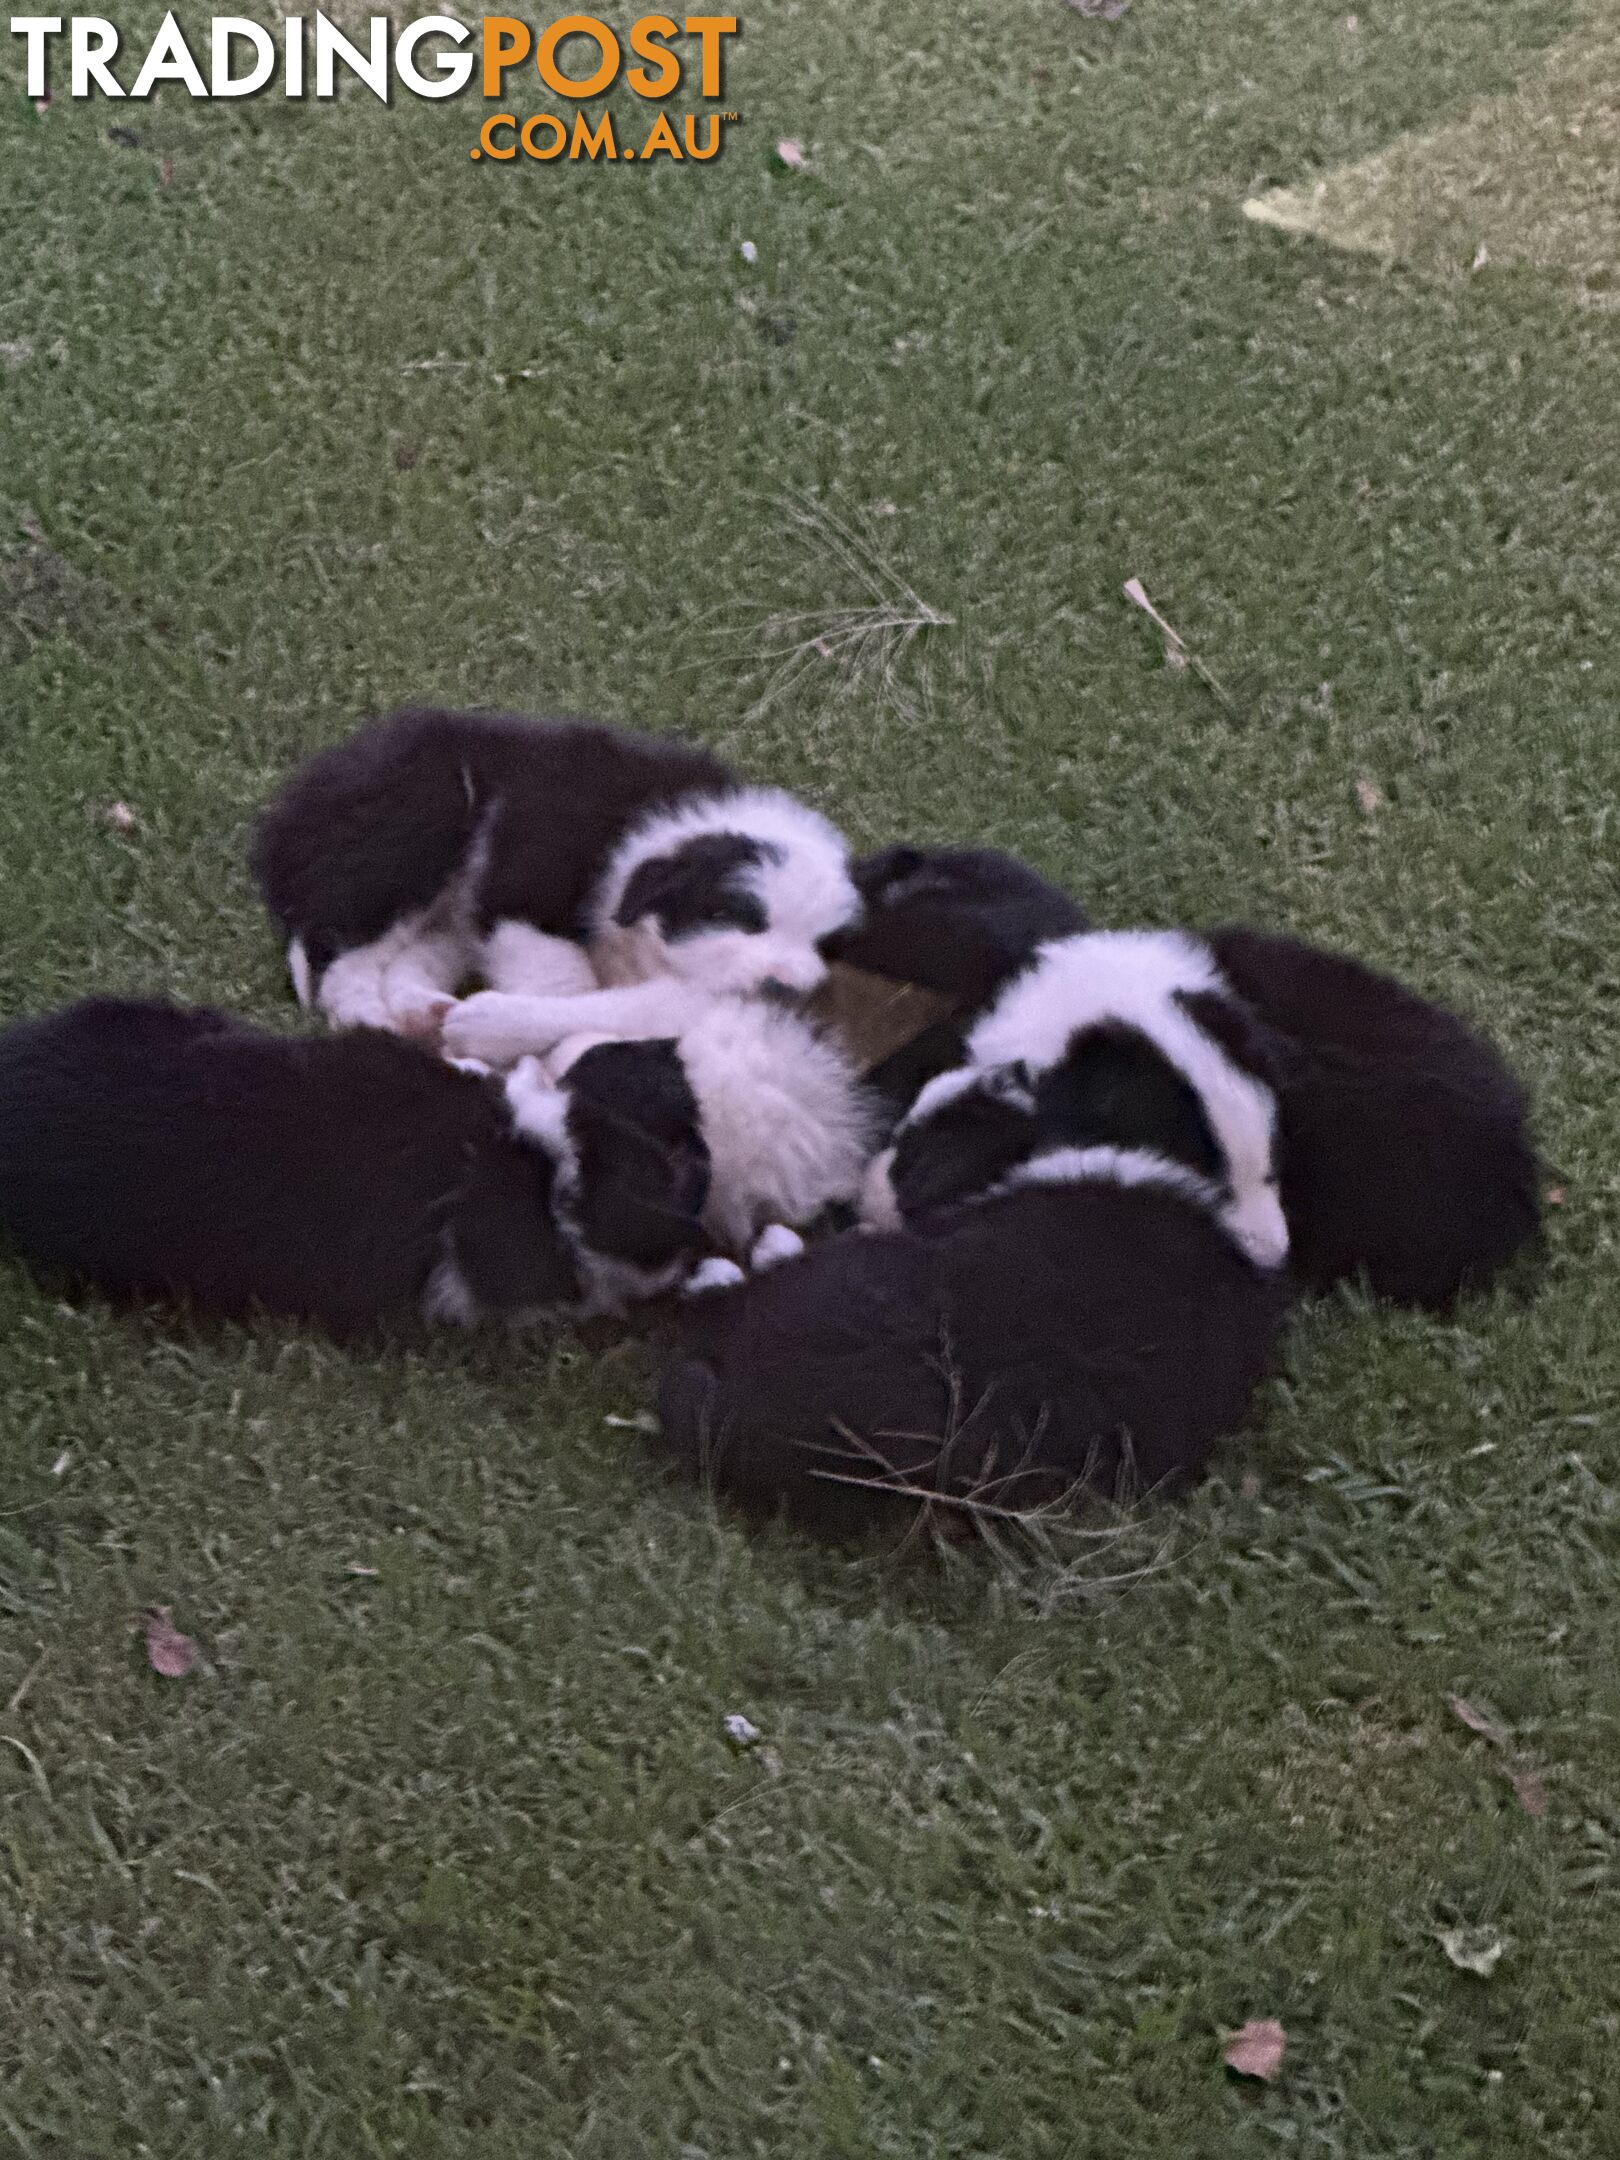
(1238, 1029)
(643, 1161)
(878, 877)
(653, 888)
(696, 883)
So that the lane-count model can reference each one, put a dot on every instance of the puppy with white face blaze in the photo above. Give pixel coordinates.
(432, 847)
(352, 1179)
(1128, 1042)
(733, 894)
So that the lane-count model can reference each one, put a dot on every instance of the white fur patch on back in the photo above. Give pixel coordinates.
(447, 1299)
(1110, 1166)
(945, 1088)
(540, 1111)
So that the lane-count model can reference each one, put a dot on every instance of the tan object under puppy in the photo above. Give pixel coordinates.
(873, 1016)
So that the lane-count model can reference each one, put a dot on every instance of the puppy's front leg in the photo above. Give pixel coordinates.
(499, 1028)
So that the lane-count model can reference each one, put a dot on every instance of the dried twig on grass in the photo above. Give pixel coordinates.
(1176, 649)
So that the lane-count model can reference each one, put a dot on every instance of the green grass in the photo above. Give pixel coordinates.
(453, 1858)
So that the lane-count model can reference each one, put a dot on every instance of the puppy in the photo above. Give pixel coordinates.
(788, 1126)
(1406, 1153)
(959, 922)
(350, 1179)
(549, 856)
(1111, 1039)
(1089, 1323)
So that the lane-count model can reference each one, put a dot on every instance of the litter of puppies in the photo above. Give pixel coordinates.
(971, 1205)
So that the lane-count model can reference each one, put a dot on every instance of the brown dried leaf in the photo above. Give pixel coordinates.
(168, 1651)
(1370, 796)
(793, 154)
(1100, 10)
(1257, 2049)
(1557, 1195)
(120, 818)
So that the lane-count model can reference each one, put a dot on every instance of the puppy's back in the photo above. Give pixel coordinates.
(1071, 1335)
(1406, 1149)
(376, 826)
(152, 1149)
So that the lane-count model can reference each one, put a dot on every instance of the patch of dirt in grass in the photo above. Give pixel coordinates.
(1530, 180)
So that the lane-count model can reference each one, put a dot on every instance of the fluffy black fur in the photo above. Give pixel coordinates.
(1406, 1152)
(1059, 1336)
(959, 921)
(154, 1150)
(376, 827)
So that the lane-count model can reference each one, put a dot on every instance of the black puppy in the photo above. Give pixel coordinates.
(353, 1179)
(1086, 1325)
(1405, 1144)
(547, 856)
(958, 921)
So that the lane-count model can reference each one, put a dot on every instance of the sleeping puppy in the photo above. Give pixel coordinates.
(1115, 1039)
(1403, 1150)
(1086, 1324)
(1076, 1281)
(788, 1126)
(1406, 1152)
(958, 922)
(348, 1179)
(548, 856)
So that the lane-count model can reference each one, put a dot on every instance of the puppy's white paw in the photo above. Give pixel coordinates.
(880, 1210)
(775, 1243)
(713, 1275)
(498, 1029)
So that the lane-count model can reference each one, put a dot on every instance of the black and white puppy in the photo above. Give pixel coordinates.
(1110, 1040)
(788, 1125)
(1403, 1151)
(1089, 1323)
(547, 856)
(1406, 1152)
(351, 1179)
(960, 922)
(1076, 1280)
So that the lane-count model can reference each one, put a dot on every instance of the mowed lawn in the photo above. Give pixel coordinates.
(442, 1849)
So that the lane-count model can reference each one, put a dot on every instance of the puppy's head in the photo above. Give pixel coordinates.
(1136, 1042)
(959, 921)
(734, 893)
(624, 1148)
(641, 1163)
(963, 1135)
